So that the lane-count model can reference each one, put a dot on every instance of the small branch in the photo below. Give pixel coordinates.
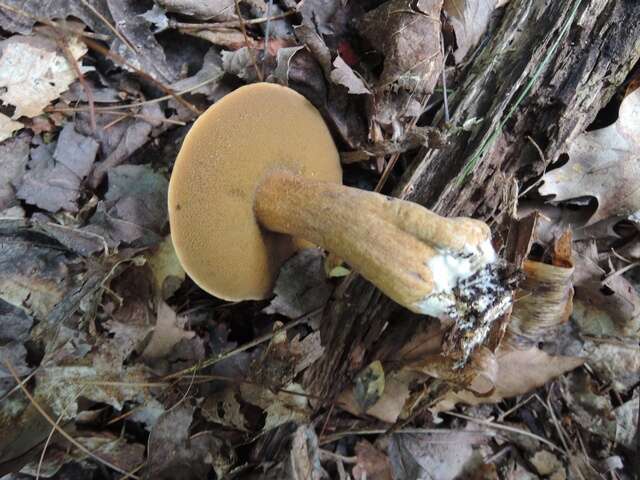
(246, 41)
(122, 38)
(242, 348)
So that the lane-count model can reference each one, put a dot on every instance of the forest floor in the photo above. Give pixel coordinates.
(114, 364)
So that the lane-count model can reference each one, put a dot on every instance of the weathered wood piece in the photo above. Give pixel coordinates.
(599, 48)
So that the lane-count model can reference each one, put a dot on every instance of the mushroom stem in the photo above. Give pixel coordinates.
(416, 257)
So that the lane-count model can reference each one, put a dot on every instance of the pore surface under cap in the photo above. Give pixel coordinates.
(256, 129)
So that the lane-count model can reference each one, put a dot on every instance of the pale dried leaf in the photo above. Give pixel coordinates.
(615, 362)
(603, 164)
(168, 332)
(15, 155)
(106, 382)
(281, 407)
(213, 9)
(390, 405)
(33, 72)
(304, 457)
(604, 306)
(546, 463)
(342, 74)
(469, 19)
(224, 408)
(8, 126)
(371, 463)
(627, 423)
(168, 273)
(519, 372)
(444, 456)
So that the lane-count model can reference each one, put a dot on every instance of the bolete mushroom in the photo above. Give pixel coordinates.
(259, 171)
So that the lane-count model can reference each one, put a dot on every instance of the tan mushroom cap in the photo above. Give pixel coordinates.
(229, 150)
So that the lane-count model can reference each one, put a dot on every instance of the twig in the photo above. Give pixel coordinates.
(62, 41)
(115, 31)
(267, 30)
(60, 430)
(420, 431)
(246, 41)
(46, 444)
(506, 428)
(118, 59)
(131, 473)
(242, 348)
(138, 104)
(114, 56)
(228, 24)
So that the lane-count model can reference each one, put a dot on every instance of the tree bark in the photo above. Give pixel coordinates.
(567, 86)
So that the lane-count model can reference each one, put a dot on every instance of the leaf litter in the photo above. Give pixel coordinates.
(158, 379)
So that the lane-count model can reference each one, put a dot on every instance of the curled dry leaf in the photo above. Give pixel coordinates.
(408, 35)
(134, 210)
(544, 299)
(603, 164)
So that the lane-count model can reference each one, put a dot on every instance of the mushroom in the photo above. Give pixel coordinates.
(259, 171)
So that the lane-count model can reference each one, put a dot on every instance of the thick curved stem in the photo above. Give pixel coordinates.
(414, 256)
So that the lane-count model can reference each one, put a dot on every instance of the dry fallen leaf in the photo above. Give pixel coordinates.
(15, 155)
(213, 9)
(469, 19)
(168, 273)
(443, 456)
(371, 463)
(302, 285)
(603, 164)
(408, 35)
(604, 306)
(33, 72)
(519, 371)
(168, 332)
(290, 405)
(8, 126)
(53, 181)
(344, 75)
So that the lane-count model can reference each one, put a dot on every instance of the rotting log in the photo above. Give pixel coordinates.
(521, 90)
